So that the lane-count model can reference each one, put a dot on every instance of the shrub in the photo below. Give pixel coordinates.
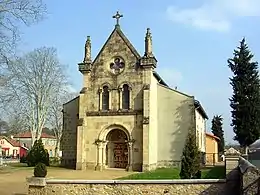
(197, 175)
(190, 163)
(37, 154)
(40, 170)
(22, 159)
(55, 161)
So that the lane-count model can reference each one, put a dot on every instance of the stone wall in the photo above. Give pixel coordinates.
(250, 177)
(241, 178)
(126, 187)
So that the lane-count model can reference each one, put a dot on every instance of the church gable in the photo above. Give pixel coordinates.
(117, 57)
(115, 79)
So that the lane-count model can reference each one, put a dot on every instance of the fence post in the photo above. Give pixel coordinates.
(232, 170)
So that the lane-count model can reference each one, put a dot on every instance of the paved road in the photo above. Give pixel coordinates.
(14, 183)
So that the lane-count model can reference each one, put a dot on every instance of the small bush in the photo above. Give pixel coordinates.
(23, 159)
(55, 161)
(197, 175)
(37, 154)
(40, 170)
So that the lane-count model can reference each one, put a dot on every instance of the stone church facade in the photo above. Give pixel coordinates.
(125, 116)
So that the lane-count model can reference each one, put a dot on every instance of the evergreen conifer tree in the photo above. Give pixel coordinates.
(190, 163)
(37, 154)
(245, 101)
(217, 130)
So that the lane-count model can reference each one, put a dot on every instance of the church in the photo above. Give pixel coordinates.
(126, 116)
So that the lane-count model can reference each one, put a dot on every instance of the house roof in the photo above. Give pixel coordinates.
(11, 141)
(212, 136)
(255, 145)
(200, 109)
(29, 135)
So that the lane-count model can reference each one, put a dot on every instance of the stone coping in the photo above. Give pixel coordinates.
(176, 181)
(244, 165)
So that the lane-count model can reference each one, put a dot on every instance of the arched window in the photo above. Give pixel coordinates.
(125, 97)
(105, 98)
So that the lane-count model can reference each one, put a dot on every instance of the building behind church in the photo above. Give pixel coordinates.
(126, 116)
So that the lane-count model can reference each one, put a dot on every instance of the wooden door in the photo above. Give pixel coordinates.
(120, 155)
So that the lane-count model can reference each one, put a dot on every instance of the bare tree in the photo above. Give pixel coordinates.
(32, 85)
(16, 121)
(56, 115)
(13, 14)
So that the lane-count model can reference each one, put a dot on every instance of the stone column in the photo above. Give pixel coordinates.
(100, 98)
(120, 90)
(104, 154)
(79, 151)
(99, 155)
(110, 99)
(232, 171)
(130, 98)
(130, 155)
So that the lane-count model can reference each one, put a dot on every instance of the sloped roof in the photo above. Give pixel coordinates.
(11, 141)
(255, 145)
(118, 30)
(200, 109)
(212, 136)
(29, 135)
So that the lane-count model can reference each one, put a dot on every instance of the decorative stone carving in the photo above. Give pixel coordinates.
(83, 90)
(100, 91)
(231, 151)
(85, 67)
(147, 87)
(87, 58)
(98, 142)
(148, 44)
(117, 16)
(146, 120)
(117, 65)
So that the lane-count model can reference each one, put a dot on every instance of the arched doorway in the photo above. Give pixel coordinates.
(116, 149)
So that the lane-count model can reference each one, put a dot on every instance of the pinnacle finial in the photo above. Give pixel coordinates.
(148, 43)
(117, 16)
(87, 57)
(148, 33)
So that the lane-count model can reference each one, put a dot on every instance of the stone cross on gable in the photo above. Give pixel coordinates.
(117, 17)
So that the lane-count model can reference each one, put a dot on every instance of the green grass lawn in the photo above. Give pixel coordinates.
(217, 172)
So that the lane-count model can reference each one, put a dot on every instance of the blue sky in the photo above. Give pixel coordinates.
(192, 40)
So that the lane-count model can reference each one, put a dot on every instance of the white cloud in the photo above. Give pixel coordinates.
(214, 15)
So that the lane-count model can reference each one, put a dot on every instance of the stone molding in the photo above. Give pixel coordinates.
(146, 87)
(232, 152)
(36, 181)
(174, 181)
(83, 90)
(244, 165)
(113, 113)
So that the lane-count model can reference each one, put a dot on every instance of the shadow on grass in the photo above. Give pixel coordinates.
(217, 172)
(161, 173)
